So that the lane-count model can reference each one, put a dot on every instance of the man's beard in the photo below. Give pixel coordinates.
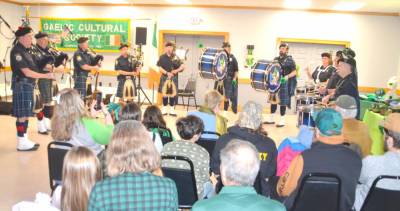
(281, 54)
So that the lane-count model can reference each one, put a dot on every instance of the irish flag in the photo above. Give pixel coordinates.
(115, 40)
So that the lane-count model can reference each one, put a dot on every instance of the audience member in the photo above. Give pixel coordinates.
(209, 113)
(326, 155)
(249, 128)
(386, 164)
(239, 168)
(154, 121)
(131, 158)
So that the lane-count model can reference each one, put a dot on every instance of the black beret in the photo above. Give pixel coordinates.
(23, 30)
(326, 54)
(82, 39)
(123, 45)
(41, 35)
(226, 45)
(170, 43)
(348, 57)
(284, 45)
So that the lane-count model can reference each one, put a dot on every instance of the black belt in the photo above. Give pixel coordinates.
(25, 80)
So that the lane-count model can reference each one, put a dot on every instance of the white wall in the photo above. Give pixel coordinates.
(374, 38)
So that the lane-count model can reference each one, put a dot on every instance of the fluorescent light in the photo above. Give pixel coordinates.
(59, 1)
(115, 1)
(348, 6)
(179, 1)
(297, 4)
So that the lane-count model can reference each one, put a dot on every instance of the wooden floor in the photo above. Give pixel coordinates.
(23, 174)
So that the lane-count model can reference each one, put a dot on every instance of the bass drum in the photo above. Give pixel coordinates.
(274, 77)
(213, 64)
(259, 75)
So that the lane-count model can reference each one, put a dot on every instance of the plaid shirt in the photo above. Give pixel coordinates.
(134, 191)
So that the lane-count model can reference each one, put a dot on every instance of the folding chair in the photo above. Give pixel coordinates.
(382, 199)
(56, 152)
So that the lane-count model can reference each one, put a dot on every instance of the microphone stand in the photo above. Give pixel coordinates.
(139, 86)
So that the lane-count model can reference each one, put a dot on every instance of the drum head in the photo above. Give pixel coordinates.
(259, 75)
(220, 65)
(274, 77)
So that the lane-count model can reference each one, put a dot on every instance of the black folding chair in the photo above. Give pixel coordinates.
(189, 92)
(379, 199)
(55, 154)
(318, 191)
(208, 143)
(185, 181)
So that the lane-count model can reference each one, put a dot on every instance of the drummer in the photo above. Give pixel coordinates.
(323, 72)
(230, 82)
(125, 67)
(334, 79)
(288, 84)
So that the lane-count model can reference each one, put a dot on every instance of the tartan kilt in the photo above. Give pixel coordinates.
(80, 85)
(45, 88)
(121, 83)
(284, 95)
(22, 105)
(164, 78)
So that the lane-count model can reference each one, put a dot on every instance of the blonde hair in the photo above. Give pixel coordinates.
(131, 150)
(81, 170)
(69, 109)
(212, 99)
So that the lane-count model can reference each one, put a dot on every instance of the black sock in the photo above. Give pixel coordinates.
(26, 123)
(165, 101)
(172, 101)
(283, 110)
(47, 111)
(273, 108)
(20, 128)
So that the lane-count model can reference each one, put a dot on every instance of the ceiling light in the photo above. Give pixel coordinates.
(348, 6)
(179, 1)
(297, 4)
(115, 1)
(59, 1)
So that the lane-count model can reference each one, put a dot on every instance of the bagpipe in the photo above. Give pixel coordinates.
(129, 88)
(169, 88)
(95, 60)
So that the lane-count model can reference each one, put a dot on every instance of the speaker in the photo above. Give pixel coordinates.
(141, 35)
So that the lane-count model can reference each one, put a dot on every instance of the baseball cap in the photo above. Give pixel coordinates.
(329, 122)
(346, 102)
(392, 122)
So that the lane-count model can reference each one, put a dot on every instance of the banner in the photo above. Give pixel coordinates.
(105, 35)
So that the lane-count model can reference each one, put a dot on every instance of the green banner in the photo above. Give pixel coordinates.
(104, 34)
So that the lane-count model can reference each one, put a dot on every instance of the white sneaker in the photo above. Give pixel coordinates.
(270, 119)
(172, 111)
(164, 110)
(281, 122)
(25, 144)
(42, 127)
(47, 123)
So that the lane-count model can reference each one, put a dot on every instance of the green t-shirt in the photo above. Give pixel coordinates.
(100, 132)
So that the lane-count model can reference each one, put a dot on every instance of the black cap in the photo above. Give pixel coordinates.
(226, 45)
(284, 45)
(170, 43)
(326, 54)
(348, 57)
(82, 40)
(123, 45)
(23, 30)
(41, 35)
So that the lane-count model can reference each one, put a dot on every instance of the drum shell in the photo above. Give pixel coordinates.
(210, 64)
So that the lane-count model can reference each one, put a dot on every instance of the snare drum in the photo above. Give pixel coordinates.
(258, 76)
(213, 64)
(305, 113)
(301, 90)
(305, 99)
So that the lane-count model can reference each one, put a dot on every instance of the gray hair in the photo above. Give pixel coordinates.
(347, 113)
(396, 138)
(251, 115)
(239, 163)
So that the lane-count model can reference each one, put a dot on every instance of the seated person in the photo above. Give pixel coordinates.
(72, 123)
(131, 159)
(154, 121)
(326, 155)
(131, 111)
(189, 129)
(81, 170)
(355, 132)
(322, 73)
(386, 164)
(213, 122)
(249, 128)
(240, 165)
(291, 147)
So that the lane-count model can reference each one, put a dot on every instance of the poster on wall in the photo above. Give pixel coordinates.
(105, 35)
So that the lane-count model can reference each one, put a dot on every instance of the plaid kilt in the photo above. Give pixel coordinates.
(164, 78)
(22, 99)
(45, 88)
(80, 84)
(284, 95)
(121, 83)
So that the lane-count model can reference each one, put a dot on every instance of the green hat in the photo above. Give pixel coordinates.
(329, 122)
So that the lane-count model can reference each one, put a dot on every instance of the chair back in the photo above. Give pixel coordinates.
(190, 86)
(382, 199)
(56, 152)
(318, 191)
(206, 143)
(184, 179)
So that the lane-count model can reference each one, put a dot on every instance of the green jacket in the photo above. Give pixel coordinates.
(238, 198)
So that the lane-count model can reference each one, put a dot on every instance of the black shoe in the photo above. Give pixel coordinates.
(44, 133)
(268, 123)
